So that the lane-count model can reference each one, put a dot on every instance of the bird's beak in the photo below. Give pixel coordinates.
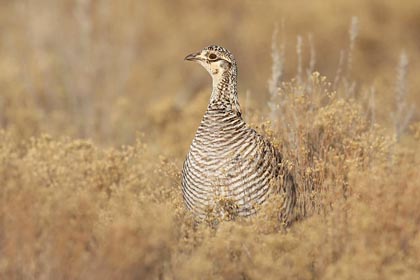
(193, 57)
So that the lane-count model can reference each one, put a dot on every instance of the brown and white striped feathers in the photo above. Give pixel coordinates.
(230, 169)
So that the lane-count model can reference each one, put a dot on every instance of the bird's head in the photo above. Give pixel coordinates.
(218, 61)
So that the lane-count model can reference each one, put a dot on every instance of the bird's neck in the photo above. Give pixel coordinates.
(224, 94)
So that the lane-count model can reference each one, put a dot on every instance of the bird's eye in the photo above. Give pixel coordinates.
(212, 56)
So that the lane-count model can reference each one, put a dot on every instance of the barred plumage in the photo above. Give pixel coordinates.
(229, 162)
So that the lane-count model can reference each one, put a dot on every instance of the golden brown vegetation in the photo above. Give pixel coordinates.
(113, 73)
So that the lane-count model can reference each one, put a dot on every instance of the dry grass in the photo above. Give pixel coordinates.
(103, 72)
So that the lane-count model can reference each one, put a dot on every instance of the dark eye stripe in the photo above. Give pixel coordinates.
(215, 60)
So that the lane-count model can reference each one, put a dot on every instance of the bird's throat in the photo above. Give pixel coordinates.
(224, 94)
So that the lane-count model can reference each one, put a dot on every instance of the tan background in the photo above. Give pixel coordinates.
(108, 69)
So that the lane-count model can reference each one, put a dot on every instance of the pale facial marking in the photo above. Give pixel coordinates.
(215, 68)
(218, 62)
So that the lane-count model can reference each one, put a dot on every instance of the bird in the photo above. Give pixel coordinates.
(230, 169)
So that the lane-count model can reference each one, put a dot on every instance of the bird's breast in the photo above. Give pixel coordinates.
(227, 159)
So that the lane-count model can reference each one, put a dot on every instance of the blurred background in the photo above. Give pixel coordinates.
(108, 70)
(113, 72)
